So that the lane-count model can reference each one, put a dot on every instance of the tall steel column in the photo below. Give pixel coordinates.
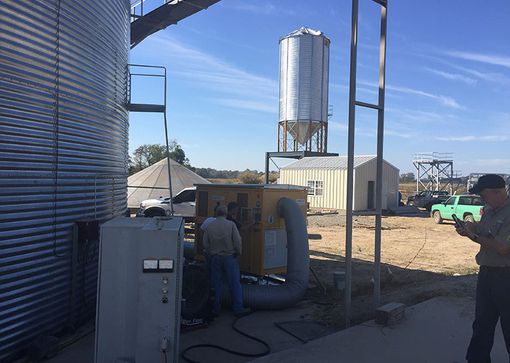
(350, 156)
(380, 140)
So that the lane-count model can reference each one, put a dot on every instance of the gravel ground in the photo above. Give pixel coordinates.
(419, 260)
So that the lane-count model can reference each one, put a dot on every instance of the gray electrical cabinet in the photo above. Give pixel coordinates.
(139, 290)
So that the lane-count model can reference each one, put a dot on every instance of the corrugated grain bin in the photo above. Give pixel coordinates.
(63, 153)
(304, 81)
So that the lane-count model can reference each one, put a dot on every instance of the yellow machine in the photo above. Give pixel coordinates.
(263, 234)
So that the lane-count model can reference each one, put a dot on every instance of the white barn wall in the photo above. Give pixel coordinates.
(335, 181)
(335, 185)
(391, 180)
(301, 177)
(367, 172)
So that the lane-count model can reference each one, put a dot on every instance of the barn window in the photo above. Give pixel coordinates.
(315, 187)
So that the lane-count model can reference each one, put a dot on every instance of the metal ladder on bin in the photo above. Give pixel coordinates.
(158, 72)
(350, 156)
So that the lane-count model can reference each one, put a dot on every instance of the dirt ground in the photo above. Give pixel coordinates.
(419, 260)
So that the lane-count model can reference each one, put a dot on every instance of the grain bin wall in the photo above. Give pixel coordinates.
(304, 79)
(63, 150)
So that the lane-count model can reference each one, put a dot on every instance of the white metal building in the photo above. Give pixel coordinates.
(326, 178)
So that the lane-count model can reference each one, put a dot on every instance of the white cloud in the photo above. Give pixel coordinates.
(247, 105)
(368, 132)
(444, 100)
(415, 116)
(452, 76)
(497, 60)
(496, 138)
(250, 91)
(493, 77)
(397, 134)
(263, 9)
(337, 126)
(345, 88)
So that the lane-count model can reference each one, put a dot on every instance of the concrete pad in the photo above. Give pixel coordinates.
(220, 332)
(259, 324)
(80, 352)
(435, 331)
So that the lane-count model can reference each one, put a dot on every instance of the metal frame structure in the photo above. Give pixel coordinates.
(317, 142)
(159, 14)
(472, 179)
(159, 108)
(350, 156)
(290, 155)
(434, 171)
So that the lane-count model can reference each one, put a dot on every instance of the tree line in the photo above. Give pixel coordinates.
(149, 154)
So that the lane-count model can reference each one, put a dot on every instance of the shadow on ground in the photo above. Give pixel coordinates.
(398, 284)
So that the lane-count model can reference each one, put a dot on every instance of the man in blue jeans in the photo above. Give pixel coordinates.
(222, 244)
(492, 233)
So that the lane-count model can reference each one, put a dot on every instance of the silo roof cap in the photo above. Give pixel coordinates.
(304, 30)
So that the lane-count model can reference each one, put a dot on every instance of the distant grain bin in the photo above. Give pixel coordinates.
(304, 78)
(63, 159)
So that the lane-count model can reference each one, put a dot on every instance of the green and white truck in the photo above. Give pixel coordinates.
(467, 207)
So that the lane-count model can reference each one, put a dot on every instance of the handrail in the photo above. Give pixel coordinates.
(139, 5)
(159, 71)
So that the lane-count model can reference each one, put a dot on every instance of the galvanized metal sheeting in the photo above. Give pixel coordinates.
(304, 80)
(63, 149)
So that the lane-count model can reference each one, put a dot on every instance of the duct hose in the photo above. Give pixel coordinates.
(298, 265)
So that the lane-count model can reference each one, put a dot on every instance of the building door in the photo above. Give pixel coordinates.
(370, 194)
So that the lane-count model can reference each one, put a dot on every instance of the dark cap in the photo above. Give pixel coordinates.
(488, 181)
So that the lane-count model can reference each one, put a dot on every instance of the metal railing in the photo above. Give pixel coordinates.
(139, 9)
(143, 70)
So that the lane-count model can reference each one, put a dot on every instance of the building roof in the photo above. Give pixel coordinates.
(152, 182)
(255, 186)
(329, 162)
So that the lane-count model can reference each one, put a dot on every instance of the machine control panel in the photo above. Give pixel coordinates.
(151, 265)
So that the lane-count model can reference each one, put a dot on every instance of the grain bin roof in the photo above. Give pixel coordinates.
(152, 182)
(327, 162)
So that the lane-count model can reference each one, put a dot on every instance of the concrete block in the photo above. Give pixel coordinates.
(390, 313)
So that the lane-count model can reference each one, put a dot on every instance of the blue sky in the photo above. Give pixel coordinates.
(448, 80)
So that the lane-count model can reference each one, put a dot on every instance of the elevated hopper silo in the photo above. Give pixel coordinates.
(63, 156)
(304, 78)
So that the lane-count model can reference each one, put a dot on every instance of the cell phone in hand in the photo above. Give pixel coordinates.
(458, 223)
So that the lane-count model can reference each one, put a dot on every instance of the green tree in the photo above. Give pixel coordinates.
(273, 176)
(149, 154)
(179, 155)
(250, 177)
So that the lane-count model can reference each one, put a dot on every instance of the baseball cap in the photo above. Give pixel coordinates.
(488, 181)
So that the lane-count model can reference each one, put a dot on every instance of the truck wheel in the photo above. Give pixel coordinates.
(437, 217)
(154, 212)
(469, 218)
